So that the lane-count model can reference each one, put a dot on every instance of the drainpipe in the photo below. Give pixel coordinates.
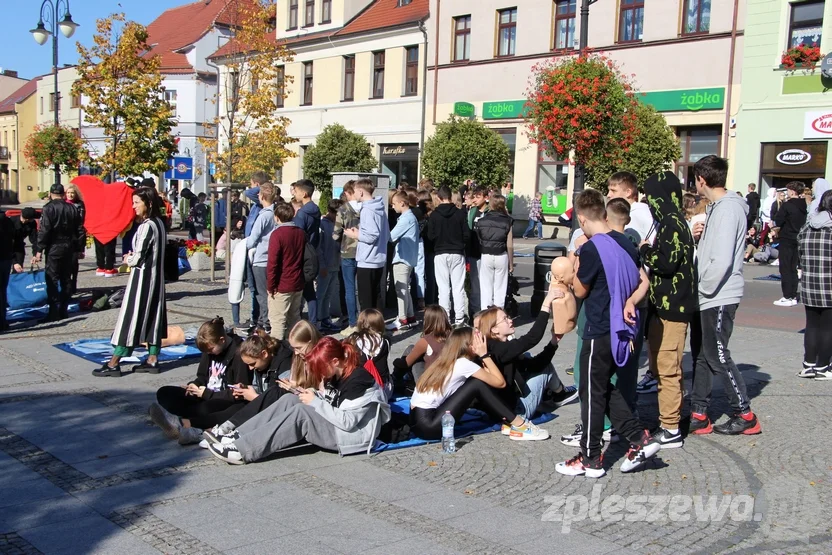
(726, 131)
(424, 99)
(436, 61)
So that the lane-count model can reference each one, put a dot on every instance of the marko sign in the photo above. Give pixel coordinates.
(793, 157)
(818, 125)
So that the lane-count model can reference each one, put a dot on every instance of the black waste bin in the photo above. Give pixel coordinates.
(544, 253)
(171, 262)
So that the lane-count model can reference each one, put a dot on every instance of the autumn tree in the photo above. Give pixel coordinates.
(49, 147)
(336, 149)
(119, 78)
(248, 134)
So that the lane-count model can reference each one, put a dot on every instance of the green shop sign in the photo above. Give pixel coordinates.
(464, 109)
(509, 109)
(691, 100)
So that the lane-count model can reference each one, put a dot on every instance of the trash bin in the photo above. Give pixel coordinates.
(171, 262)
(544, 253)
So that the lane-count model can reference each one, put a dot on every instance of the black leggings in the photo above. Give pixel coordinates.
(258, 405)
(203, 413)
(817, 339)
(427, 423)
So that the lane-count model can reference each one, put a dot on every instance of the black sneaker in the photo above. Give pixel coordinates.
(741, 424)
(573, 439)
(667, 440)
(640, 453)
(106, 371)
(146, 368)
(228, 453)
(564, 396)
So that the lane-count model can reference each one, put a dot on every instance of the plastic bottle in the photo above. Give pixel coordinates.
(448, 441)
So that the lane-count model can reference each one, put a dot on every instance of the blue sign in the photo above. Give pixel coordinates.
(180, 168)
(213, 169)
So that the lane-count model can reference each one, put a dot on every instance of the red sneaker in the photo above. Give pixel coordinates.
(700, 424)
(100, 272)
(110, 273)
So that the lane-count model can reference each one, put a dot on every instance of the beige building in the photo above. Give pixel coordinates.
(686, 56)
(9, 82)
(17, 120)
(69, 112)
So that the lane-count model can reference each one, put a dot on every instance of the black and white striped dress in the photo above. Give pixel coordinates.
(143, 316)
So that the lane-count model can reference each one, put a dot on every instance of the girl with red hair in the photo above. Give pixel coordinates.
(344, 414)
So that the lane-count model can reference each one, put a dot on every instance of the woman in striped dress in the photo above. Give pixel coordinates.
(143, 317)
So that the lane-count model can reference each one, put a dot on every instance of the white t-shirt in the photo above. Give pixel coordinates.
(463, 369)
(641, 221)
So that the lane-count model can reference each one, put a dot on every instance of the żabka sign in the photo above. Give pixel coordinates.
(817, 125)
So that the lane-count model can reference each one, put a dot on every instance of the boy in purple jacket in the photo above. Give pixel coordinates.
(607, 272)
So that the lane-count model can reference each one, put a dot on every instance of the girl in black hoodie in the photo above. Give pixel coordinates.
(184, 411)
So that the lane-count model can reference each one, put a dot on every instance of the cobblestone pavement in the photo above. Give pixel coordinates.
(83, 470)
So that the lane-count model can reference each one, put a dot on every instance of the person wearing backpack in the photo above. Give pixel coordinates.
(285, 271)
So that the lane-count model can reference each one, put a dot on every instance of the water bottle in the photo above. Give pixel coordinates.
(448, 441)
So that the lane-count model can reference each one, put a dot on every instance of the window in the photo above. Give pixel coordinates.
(403, 2)
(806, 24)
(326, 11)
(293, 15)
(631, 21)
(378, 75)
(697, 17)
(307, 83)
(6, 139)
(41, 105)
(232, 90)
(509, 137)
(14, 139)
(75, 101)
(281, 86)
(507, 32)
(411, 72)
(565, 24)
(51, 102)
(462, 38)
(696, 143)
(170, 98)
(309, 14)
(349, 77)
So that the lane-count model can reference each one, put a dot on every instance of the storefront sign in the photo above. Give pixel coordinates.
(689, 100)
(464, 109)
(180, 168)
(818, 125)
(400, 152)
(793, 157)
(509, 109)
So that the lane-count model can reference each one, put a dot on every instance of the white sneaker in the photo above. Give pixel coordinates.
(227, 453)
(610, 436)
(783, 301)
(528, 432)
(169, 423)
(204, 444)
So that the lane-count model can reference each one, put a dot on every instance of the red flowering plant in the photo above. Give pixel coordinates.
(585, 106)
(805, 56)
(193, 246)
(49, 145)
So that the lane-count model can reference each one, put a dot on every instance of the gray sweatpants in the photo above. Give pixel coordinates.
(282, 425)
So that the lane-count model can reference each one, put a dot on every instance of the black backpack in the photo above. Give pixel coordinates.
(310, 263)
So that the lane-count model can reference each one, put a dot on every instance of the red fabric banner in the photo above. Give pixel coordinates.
(109, 207)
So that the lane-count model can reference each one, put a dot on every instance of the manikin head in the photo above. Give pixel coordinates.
(563, 271)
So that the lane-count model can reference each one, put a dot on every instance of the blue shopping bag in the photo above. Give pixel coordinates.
(184, 265)
(27, 290)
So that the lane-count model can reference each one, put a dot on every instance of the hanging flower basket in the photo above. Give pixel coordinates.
(801, 56)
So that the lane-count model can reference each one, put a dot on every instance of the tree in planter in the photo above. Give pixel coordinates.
(463, 149)
(49, 145)
(248, 134)
(336, 149)
(119, 78)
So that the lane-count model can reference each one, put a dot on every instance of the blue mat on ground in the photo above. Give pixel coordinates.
(473, 422)
(770, 277)
(34, 313)
(99, 351)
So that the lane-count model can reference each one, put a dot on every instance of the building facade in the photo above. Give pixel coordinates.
(785, 121)
(685, 56)
(17, 121)
(69, 113)
(9, 82)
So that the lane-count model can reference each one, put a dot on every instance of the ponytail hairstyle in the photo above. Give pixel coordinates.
(319, 359)
(210, 334)
(307, 334)
(436, 376)
(258, 342)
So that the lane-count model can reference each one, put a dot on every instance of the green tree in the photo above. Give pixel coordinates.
(120, 80)
(336, 149)
(49, 146)
(465, 149)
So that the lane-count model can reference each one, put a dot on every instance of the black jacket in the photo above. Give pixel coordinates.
(220, 371)
(7, 239)
(493, 230)
(673, 281)
(790, 219)
(61, 225)
(448, 230)
(281, 362)
(23, 231)
(753, 200)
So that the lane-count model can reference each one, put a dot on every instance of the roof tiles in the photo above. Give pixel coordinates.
(21, 94)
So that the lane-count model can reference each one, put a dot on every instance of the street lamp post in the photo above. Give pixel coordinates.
(48, 24)
(580, 170)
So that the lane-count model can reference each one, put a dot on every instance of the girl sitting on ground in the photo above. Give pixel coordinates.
(345, 415)
(437, 328)
(183, 412)
(373, 344)
(277, 366)
(454, 381)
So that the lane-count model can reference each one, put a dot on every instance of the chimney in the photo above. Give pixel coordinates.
(9, 73)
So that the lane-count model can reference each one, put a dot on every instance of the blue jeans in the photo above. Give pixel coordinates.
(252, 288)
(348, 267)
(530, 227)
(538, 384)
(327, 295)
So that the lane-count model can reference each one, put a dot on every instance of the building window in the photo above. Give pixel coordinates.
(696, 143)
(293, 15)
(462, 38)
(565, 24)
(349, 77)
(411, 80)
(41, 105)
(507, 32)
(51, 102)
(806, 23)
(75, 101)
(378, 75)
(233, 91)
(631, 21)
(14, 139)
(170, 98)
(326, 11)
(307, 83)
(309, 14)
(281, 86)
(403, 3)
(697, 17)
(6, 139)
(509, 136)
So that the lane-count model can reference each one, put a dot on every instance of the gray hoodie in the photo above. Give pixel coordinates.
(358, 421)
(721, 250)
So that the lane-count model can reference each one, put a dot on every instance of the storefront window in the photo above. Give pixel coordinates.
(509, 136)
(552, 178)
(696, 143)
(401, 163)
(781, 163)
